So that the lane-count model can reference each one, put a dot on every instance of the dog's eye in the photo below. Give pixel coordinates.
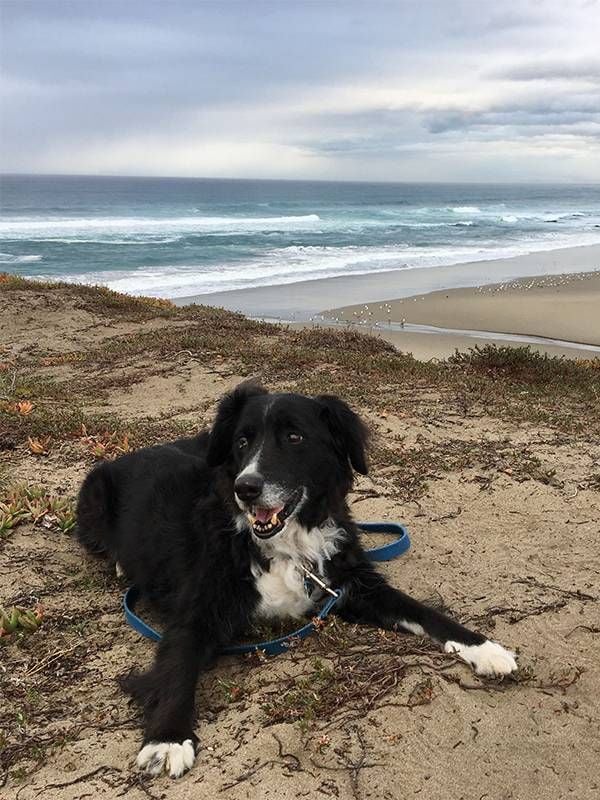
(242, 442)
(295, 438)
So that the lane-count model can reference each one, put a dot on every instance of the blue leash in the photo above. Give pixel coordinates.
(275, 646)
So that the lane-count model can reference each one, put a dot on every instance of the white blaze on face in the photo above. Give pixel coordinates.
(250, 469)
(252, 466)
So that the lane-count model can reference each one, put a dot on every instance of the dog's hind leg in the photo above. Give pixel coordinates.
(371, 600)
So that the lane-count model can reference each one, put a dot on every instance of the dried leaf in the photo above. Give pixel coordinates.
(38, 446)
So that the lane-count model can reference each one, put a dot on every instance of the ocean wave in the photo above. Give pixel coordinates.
(10, 258)
(72, 226)
(137, 242)
(419, 225)
(465, 209)
(558, 217)
(543, 216)
(289, 265)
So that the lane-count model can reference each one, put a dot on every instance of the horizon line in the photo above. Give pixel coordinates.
(299, 180)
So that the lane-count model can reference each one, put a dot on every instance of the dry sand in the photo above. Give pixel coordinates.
(555, 307)
(515, 555)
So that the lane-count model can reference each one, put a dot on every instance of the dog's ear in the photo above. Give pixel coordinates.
(229, 409)
(350, 434)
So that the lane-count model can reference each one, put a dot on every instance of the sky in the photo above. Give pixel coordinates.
(406, 91)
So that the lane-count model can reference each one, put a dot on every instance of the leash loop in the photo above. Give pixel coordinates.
(273, 647)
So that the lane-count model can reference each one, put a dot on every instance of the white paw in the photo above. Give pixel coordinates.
(170, 757)
(488, 658)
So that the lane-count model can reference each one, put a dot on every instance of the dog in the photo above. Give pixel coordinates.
(219, 529)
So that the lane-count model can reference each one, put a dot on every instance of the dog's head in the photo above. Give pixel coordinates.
(286, 456)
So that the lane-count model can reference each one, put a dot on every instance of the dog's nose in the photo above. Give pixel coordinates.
(249, 487)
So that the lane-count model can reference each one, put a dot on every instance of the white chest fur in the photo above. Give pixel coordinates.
(281, 587)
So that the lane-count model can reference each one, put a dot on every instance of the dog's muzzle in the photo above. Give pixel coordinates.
(269, 521)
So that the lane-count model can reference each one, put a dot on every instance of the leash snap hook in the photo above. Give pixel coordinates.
(321, 584)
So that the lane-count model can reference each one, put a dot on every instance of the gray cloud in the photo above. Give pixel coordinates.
(295, 89)
(542, 116)
(583, 69)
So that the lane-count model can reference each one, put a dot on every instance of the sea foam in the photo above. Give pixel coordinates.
(10, 258)
(31, 228)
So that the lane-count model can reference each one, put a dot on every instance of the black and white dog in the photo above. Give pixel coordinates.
(218, 529)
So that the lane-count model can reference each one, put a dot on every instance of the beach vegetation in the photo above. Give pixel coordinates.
(525, 365)
(23, 503)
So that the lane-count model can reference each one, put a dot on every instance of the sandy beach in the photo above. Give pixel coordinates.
(555, 308)
(302, 300)
(549, 300)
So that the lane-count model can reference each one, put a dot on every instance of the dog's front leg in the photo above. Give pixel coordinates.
(371, 600)
(166, 693)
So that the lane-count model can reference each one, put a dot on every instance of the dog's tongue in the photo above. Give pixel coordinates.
(265, 514)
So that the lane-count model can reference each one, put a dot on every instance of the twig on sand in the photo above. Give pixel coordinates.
(49, 659)
(365, 496)
(578, 594)
(137, 780)
(451, 515)
(353, 768)
(281, 754)
(250, 773)
(98, 771)
(589, 628)
(292, 764)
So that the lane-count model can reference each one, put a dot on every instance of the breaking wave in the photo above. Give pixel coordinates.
(109, 226)
(10, 258)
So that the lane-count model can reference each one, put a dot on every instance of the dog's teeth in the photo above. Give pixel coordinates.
(274, 519)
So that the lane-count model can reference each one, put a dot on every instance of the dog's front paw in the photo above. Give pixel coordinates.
(488, 658)
(175, 758)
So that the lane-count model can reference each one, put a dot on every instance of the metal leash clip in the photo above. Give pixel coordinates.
(315, 579)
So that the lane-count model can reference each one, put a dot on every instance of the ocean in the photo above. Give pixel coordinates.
(172, 237)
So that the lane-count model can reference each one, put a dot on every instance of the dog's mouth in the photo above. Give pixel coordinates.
(267, 522)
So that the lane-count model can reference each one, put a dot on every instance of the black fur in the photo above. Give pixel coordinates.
(168, 516)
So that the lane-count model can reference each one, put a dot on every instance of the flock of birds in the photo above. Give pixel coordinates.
(366, 316)
(542, 282)
(362, 317)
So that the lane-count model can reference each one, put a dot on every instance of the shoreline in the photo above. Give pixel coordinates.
(396, 333)
(549, 300)
(559, 315)
(303, 300)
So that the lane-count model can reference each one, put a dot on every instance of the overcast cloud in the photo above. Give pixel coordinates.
(437, 90)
